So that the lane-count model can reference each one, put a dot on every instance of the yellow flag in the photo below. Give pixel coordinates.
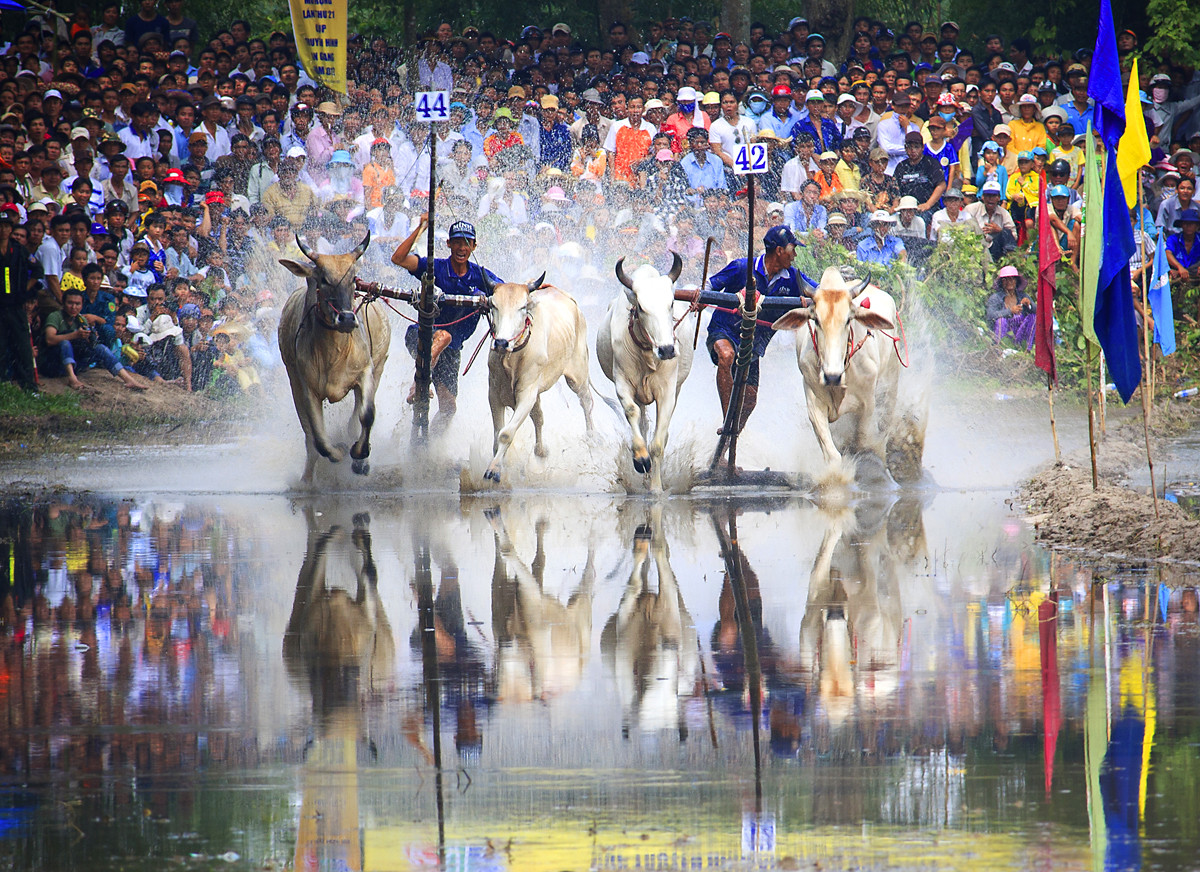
(320, 30)
(1133, 149)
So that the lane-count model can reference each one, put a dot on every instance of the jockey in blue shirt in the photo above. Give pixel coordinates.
(774, 276)
(454, 325)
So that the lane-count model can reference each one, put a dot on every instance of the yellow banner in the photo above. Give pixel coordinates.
(320, 30)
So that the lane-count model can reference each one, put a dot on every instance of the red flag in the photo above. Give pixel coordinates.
(1048, 257)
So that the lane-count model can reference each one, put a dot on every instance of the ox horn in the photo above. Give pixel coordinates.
(536, 283)
(308, 252)
(361, 249)
(621, 277)
(676, 267)
(860, 287)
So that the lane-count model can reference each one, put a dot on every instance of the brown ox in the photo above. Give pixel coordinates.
(848, 367)
(539, 336)
(329, 351)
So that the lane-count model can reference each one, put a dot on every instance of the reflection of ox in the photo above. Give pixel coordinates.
(539, 336)
(336, 643)
(850, 634)
(638, 350)
(542, 645)
(329, 351)
(848, 368)
(339, 646)
(650, 643)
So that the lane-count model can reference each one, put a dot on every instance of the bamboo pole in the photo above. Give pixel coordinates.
(1146, 347)
(1053, 426)
(1087, 367)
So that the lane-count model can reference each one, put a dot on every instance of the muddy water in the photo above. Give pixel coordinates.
(538, 682)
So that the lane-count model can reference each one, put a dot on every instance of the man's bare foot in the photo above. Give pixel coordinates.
(75, 384)
(135, 386)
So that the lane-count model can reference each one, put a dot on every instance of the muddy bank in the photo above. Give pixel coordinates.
(1116, 519)
(107, 411)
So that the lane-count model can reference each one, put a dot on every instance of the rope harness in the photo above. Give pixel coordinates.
(852, 349)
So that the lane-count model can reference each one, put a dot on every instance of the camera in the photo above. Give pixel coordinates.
(1027, 308)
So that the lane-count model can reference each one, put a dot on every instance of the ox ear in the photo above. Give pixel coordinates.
(793, 320)
(871, 319)
(304, 270)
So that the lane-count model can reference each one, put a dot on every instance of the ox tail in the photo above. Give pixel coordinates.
(608, 401)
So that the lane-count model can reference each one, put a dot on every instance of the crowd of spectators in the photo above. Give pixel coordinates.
(151, 178)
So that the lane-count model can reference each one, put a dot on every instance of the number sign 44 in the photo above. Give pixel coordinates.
(432, 106)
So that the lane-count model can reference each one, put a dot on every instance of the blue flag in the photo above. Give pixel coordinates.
(1115, 323)
(1104, 82)
(1159, 298)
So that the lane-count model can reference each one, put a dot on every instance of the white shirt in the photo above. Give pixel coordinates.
(796, 173)
(730, 136)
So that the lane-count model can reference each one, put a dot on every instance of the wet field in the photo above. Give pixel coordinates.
(569, 681)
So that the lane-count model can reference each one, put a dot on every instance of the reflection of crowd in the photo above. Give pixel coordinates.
(140, 156)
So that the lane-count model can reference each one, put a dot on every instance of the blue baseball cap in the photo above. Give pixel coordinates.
(462, 230)
(779, 236)
(189, 310)
(1036, 150)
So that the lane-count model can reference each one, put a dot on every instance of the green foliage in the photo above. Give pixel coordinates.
(1173, 28)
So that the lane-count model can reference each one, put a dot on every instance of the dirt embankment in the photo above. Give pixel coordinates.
(109, 409)
(1117, 520)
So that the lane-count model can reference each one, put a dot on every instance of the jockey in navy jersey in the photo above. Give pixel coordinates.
(454, 325)
(774, 277)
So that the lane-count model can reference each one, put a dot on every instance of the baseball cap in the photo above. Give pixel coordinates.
(814, 94)
(174, 177)
(913, 137)
(549, 101)
(1025, 155)
(778, 237)
(79, 133)
(1027, 98)
(952, 194)
(503, 112)
(990, 187)
(516, 91)
(561, 27)
(640, 57)
(297, 151)
(882, 216)
(591, 95)
(654, 103)
(462, 230)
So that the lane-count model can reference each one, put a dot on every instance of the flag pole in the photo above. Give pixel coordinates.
(1091, 412)
(1146, 346)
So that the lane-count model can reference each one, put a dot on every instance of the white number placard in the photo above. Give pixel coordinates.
(750, 159)
(432, 106)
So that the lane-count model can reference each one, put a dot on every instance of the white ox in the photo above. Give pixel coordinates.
(848, 367)
(328, 351)
(640, 351)
(539, 336)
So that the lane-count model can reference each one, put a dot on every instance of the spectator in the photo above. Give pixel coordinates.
(1010, 309)
(881, 245)
(74, 347)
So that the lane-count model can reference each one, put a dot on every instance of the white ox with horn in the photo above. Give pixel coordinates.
(329, 350)
(848, 366)
(538, 337)
(640, 351)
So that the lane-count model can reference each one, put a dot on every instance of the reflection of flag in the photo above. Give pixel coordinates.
(1048, 257)
(1092, 241)
(1159, 297)
(1051, 700)
(1104, 82)
(1133, 151)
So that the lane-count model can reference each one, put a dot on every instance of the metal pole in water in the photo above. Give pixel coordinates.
(427, 310)
(745, 351)
(432, 680)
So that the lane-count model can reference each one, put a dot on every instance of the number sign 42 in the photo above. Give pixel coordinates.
(750, 159)
(432, 106)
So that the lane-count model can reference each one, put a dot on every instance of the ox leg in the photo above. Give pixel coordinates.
(819, 415)
(867, 427)
(526, 400)
(662, 421)
(310, 411)
(535, 415)
(583, 389)
(364, 412)
(636, 415)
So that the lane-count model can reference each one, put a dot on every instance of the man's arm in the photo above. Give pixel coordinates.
(403, 256)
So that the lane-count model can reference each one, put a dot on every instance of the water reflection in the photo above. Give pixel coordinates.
(755, 684)
(338, 647)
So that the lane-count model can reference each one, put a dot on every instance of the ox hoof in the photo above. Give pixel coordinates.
(360, 466)
(541, 451)
(492, 475)
(641, 464)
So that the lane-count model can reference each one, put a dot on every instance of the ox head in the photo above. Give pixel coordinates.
(651, 298)
(330, 284)
(511, 313)
(836, 306)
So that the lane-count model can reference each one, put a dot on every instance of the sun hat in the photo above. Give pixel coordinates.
(1008, 272)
